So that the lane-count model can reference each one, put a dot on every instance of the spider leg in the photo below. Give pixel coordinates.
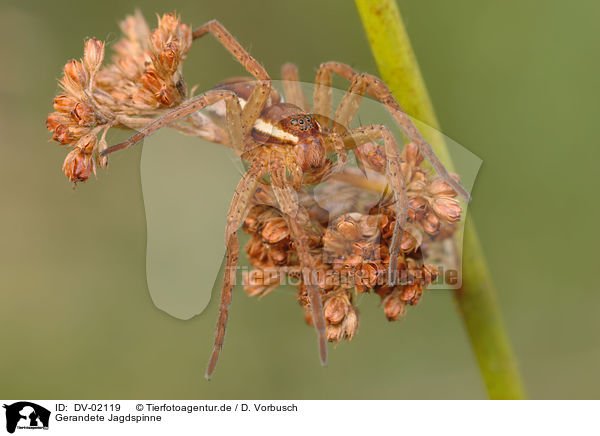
(174, 115)
(349, 104)
(237, 211)
(296, 216)
(347, 107)
(338, 145)
(200, 126)
(291, 87)
(396, 180)
(378, 90)
(257, 100)
(310, 280)
(306, 261)
(322, 96)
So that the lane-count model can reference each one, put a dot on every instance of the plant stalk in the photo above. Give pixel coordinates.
(476, 299)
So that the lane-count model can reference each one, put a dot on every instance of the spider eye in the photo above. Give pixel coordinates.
(301, 121)
(294, 121)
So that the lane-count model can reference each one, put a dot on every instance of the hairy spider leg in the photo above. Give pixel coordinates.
(174, 115)
(366, 83)
(291, 87)
(380, 92)
(257, 100)
(237, 212)
(287, 198)
(395, 177)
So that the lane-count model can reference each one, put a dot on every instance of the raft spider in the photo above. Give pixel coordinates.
(289, 143)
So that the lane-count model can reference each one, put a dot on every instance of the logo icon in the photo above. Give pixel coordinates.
(26, 415)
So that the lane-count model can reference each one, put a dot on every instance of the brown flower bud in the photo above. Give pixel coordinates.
(169, 57)
(447, 208)
(152, 81)
(411, 293)
(437, 186)
(412, 155)
(102, 161)
(373, 154)
(336, 308)
(168, 24)
(416, 185)
(78, 165)
(409, 242)
(430, 274)
(77, 131)
(87, 143)
(335, 333)
(351, 323)
(74, 69)
(348, 228)
(369, 225)
(275, 230)
(64, 103)
(371, 273)
(83, 114)
(382, 253)
(431, 224)
(62, 135)
(93, 54)
(56, 119)
(394, 308)
(416, 208)
(166, 96)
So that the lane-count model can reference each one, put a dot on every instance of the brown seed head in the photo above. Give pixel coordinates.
(83, 114)
(62, 135)
(93, 55)
(437, 186)
(63, 103)
(412, 155)
(394, 307)
(75, 71)
(447, 208)
(348, 228)
(275, 230)
(78, 165)
(336, 308)
(431, 224)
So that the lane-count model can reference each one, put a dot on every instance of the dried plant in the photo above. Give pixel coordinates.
(351, 250)
(143, 80)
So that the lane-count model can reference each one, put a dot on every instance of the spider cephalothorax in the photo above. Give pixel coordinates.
(285, 143)
(286, 135)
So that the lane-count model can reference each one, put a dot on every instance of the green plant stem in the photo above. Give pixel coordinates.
(476, 300)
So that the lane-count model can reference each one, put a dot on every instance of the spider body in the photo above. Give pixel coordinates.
(289, 141)
(283, 132)
(289, 137)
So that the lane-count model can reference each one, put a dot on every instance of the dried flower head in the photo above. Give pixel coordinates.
(351, 250)
(143, 79)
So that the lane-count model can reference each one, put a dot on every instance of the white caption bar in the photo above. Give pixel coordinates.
(247, 417)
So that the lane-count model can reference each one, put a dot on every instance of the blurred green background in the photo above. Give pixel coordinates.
(515, 82)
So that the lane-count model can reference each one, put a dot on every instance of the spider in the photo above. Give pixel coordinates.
(289, 142)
